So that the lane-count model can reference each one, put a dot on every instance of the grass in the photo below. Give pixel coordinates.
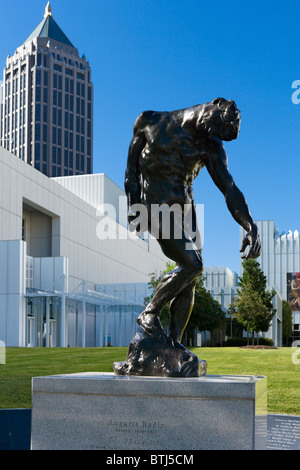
(23, 364)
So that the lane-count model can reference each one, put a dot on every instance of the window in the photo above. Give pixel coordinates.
(37, 132)
(54, 116)
(58, 136)
(45, 113)
(37, 152)
(38, 93)
(53, 154)
(66, 159)
(59, 156)
(89, 166)
(38, 77)
(45, 133)
(38, 112)
(45, 153)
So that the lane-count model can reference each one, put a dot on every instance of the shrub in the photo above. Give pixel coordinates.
(232, 342)
(237, 342)
(265, 342)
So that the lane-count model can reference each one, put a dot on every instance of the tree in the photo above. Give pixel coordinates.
(253, 306)
(287, 321)
(207, 314)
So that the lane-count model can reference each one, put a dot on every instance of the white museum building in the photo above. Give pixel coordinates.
(69, 275)
(280, 262)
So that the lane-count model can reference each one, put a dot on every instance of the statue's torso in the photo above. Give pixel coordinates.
(169, 162)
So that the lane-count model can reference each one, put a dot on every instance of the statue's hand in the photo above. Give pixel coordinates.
(252, 239)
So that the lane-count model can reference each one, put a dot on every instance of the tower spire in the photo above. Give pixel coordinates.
(48, 10)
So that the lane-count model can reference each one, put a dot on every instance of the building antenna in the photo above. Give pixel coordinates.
(48, 10)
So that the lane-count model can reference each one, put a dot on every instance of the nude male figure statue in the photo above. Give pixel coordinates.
(167, 152)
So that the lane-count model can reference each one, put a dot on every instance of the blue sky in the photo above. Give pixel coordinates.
(171, 54)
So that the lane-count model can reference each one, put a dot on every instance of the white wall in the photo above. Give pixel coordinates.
(12, 290)
(219, 276)
(280, 254)
(98, 190)
(75, 228)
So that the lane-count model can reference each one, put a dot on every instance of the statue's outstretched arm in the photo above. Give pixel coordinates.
(217, 167)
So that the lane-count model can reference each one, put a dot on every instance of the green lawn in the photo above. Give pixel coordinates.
(23, 364)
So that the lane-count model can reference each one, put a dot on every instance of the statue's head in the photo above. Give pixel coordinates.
(220, 118)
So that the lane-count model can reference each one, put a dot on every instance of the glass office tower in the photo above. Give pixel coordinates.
(47, 103)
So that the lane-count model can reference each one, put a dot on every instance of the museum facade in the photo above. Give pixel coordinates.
(280, 262)
(70, 275)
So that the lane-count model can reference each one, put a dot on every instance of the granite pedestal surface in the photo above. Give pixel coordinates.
(109, 412)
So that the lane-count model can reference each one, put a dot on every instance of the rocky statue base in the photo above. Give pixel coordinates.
(153, 353)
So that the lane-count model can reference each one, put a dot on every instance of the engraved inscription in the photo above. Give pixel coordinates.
(138, 433)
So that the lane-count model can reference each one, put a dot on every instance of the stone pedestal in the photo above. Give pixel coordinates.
(105, 411)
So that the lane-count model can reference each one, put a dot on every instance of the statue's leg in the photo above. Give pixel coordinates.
(177, 284)
(181, 308)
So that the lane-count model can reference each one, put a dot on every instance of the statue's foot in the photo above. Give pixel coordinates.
(150, 323)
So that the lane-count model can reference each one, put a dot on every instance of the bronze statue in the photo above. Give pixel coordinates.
(167, 152)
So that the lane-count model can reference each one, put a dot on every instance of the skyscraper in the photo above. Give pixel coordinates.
(47, 103)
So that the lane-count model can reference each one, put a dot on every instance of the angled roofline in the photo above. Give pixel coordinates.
(44, 29)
